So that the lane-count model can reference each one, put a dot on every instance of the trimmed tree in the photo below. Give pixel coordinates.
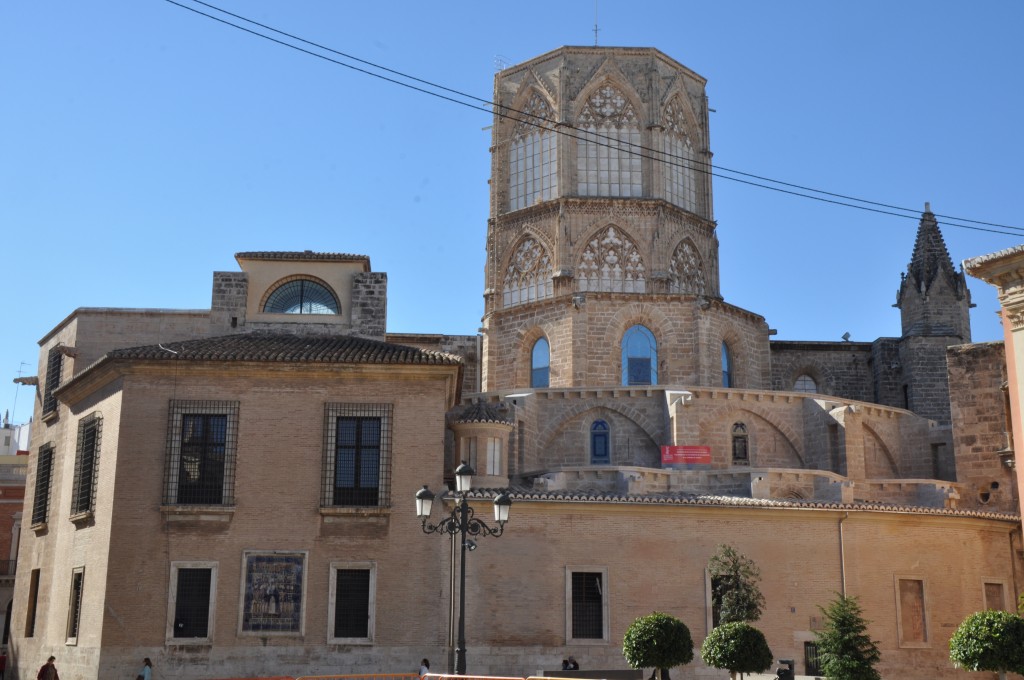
(845, 650)
(737, 647)
(989, 641)
(735, 595)
(657, 641)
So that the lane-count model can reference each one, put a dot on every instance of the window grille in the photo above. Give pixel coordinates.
(301, 296)
(587, 605)
(54, 365)
(44, 472)
(357, 455)
(740, 448)
(192, 603)
(812, 662)
(75, 602)
(202, 438)
(87, 458)
(352, 603)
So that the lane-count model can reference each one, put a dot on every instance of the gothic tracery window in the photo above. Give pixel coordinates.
(528, 276)
(686, 271)
(611, 262)
(678, 160)
(608, 150)
(533, 156)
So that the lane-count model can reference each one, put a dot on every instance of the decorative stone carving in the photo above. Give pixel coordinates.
(528, 276)
(611, 262)
(686, 271)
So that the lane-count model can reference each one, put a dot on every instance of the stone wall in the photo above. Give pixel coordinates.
(369, 307)
(977, 379)
(842, 369)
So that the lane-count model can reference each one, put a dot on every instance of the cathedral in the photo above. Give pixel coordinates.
(230, 491)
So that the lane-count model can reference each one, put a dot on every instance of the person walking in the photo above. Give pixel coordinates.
(48, 671)
(146, 673)
(424, 667)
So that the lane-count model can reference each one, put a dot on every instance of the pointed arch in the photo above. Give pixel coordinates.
(686, 270)
(533, 153)
(527, 274)
(608, 157)
(878, 459)
(678, 160)
(611, 262)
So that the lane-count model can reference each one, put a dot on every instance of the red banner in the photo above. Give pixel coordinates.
(685, 456)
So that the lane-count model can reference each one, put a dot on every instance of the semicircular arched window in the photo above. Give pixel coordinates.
(301, 296)
(639, 357)
(540, 363)
(805, 383)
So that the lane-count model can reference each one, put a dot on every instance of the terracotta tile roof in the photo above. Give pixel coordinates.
(325, 349)
(524, 494)
(292, 255)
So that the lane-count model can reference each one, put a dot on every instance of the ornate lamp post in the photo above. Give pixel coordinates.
(462, 520)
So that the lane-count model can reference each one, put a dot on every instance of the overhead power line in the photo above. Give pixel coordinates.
(487, 106)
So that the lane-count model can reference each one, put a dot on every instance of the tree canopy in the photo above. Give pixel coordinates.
(989, 641)
(737, 647)
(658, 641)
(735, 595)
(845, 650)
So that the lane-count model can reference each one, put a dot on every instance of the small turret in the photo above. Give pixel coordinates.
(933, 297)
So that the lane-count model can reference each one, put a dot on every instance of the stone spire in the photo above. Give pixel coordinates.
(933, 296)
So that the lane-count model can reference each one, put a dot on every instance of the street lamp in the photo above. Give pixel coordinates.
(462, 520)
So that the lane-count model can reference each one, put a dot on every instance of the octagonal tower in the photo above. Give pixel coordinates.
(602, 258)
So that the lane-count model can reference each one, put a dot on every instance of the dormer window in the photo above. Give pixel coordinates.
(301, 296)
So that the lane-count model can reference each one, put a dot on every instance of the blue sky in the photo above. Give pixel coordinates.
(142, 145)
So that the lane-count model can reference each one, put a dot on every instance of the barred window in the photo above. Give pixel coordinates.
(87, 459)
(202, 438)
(75, 604)
(193, 585)
(357, 455)
(352, 603)
(54, 366)
(587, 605)
(301, 296)
(44, 473)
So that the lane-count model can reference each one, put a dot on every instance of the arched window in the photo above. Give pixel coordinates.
(600, 451)
(805, 383)
(533, 156)
(740, 448)
(540, 363)
(528, 276)
(678, 171)
(301, 296)
(726, 366)
(639, 357)
(608, 150)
